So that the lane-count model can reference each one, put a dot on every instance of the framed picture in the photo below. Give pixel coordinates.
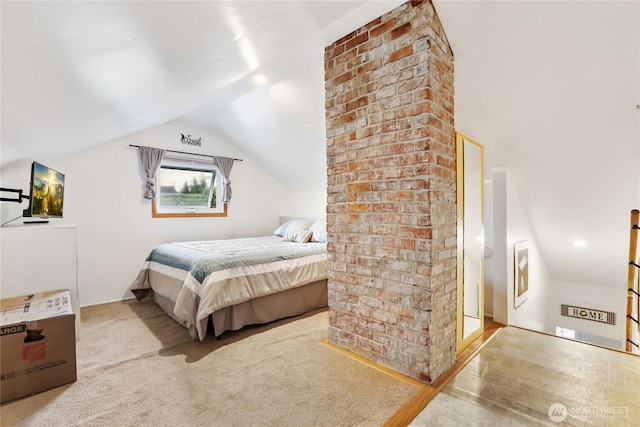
(521, 271)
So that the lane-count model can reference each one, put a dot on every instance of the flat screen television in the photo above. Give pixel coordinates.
(47, 193)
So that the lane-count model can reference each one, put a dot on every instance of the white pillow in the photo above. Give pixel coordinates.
(319, 230)
(298, 236)
(294, 224)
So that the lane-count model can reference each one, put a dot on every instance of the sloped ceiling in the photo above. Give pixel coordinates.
(549, 88)
(76, 74)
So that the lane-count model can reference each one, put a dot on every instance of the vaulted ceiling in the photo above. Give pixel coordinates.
(549, 88)
(76, 74)
(552, 91)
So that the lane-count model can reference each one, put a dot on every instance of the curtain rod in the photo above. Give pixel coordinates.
(184, 152)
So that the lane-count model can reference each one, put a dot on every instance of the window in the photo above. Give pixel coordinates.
(188, 187)
(565, 333)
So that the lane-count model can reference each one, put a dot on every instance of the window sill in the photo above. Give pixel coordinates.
(156, 214)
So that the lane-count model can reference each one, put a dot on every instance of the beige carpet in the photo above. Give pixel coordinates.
(137, 367)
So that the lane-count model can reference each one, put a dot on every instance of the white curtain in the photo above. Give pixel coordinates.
(151, 158)
(225, 164)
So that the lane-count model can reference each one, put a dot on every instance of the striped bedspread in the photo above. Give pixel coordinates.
(205, 276)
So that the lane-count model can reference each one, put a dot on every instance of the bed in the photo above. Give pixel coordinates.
(229, 284)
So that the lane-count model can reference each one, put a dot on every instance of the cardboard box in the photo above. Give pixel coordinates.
(37, 344)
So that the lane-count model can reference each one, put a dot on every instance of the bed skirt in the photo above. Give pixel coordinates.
(291, 302)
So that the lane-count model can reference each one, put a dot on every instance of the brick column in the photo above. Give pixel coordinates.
(391, 212)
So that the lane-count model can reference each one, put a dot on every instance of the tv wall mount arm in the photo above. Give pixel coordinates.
(18, 198)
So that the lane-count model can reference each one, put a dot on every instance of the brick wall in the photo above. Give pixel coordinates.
(391, 213)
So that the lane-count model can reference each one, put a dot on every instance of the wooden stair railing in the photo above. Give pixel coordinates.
(633, 287)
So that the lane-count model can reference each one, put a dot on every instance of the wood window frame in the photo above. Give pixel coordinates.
(156, 214)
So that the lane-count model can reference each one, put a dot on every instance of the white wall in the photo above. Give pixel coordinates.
(541, 310)
(103, 197)
(496, 266)
(306, 204)
(595, 297)
(510, 226)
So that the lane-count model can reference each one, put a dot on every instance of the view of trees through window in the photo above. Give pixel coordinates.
(188, 188)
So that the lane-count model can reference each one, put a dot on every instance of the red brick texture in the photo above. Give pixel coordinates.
(391, 175)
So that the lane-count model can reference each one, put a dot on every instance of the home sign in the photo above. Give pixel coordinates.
(588, 314)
